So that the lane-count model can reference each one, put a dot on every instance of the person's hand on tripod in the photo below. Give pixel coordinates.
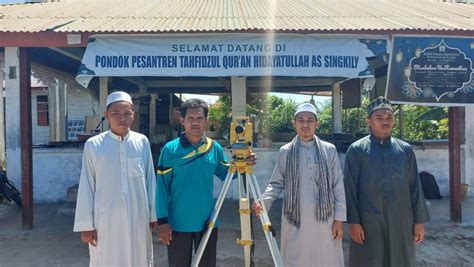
(257, 208)
(252, 158)
(165, 234)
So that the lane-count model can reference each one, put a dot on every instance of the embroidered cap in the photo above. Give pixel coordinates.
(379, 103)
(306, 107)
(119, 96)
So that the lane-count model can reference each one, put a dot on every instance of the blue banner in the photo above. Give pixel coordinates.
(229, 55)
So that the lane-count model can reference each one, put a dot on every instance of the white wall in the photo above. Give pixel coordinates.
(469, 149)
(54, 171)
(81, 103)
(435, 161)
(431, 159)
(266, 159)
(12, 114)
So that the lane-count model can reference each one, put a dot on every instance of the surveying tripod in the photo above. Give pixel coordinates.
(240, 144)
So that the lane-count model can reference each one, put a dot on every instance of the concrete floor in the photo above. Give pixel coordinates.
(52, 242)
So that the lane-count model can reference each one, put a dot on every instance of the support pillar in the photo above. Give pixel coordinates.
(103, 93)
(239, 96)
(336, 109)
(239, 108)
(455, 164)
(469, 147)
(26, 139)
(152, 122)
(12, 114)
(2, 117)
(57, 99)
(400, 118)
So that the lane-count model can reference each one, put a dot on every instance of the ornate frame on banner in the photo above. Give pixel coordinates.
(428, 70)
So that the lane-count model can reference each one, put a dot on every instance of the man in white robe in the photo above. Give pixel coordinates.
(115, 210)
(314, 206)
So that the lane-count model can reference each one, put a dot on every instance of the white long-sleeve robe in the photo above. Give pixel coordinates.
(116, 197)
(312, 244)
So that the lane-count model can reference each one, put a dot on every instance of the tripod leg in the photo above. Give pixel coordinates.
(266, 224)
(212, 220)
(245, 226)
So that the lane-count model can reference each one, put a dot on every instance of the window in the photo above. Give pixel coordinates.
(75, 127)
(42, 110)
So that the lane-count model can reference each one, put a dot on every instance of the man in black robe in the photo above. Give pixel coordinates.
(386, 208)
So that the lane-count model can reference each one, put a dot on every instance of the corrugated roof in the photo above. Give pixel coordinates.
(161, 16)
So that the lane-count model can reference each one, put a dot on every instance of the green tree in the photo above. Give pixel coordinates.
(282, 115)
(219, 114)
(419, 122)
(325, 119)
(423, 123)
(274, 114)
(259, 108)
(353, 120)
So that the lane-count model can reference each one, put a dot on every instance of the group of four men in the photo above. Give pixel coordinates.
(120, 200)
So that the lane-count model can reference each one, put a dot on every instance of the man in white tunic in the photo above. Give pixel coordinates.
(314, 205)
(115, 209)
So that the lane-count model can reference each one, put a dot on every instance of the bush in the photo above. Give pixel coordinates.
(275, 114)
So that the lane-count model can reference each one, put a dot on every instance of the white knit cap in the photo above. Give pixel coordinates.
(306, 107)
(119, 96)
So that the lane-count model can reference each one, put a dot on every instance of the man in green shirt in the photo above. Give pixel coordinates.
(386, 209)
(185, 183)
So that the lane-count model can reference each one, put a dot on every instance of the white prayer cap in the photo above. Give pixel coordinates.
(119, 96)
(306, 107)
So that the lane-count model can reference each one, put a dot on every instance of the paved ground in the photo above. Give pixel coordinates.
(52, 242)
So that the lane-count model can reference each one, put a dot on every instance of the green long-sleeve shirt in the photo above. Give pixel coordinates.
(185, 182)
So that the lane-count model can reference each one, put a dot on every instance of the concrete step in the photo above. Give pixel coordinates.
(69, 208)
(72, 193)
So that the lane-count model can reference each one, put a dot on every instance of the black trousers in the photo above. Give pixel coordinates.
(180, 250)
